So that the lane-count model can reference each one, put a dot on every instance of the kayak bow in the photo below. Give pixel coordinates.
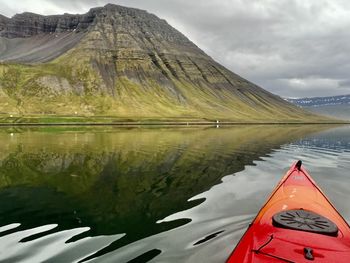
(297, 224)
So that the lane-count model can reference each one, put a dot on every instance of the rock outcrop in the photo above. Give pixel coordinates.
(29, 24)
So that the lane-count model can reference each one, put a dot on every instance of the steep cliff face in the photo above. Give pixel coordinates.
(3, 22)
(30, 24)
(125, 62)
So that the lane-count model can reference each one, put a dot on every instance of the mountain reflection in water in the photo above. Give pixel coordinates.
(119, 195)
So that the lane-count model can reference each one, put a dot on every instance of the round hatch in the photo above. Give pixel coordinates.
(305, 221)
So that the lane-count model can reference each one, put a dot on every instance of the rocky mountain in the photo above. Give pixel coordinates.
(123, 62)
(332, 106)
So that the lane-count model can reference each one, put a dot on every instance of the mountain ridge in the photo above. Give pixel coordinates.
(333, 106)
(125, 62)
(321, 101)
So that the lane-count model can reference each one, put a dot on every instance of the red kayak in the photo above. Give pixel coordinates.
(297, 224)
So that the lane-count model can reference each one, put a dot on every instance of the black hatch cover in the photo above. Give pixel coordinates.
(305, 221)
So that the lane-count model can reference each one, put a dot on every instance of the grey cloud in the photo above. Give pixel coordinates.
(293, 48)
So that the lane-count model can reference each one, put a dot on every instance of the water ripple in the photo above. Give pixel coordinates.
(51, 248)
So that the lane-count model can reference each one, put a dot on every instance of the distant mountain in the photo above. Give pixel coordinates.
(321, 101)
(333, 106)
(124, 62)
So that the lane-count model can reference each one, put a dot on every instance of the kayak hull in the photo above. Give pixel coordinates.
(266, 242)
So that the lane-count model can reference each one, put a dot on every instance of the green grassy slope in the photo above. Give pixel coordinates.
(60, 88)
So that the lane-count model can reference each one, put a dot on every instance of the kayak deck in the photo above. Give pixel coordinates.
(265, 241)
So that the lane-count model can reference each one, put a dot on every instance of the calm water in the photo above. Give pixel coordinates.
(157, 195)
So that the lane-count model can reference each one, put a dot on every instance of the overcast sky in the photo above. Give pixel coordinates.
(294, 48)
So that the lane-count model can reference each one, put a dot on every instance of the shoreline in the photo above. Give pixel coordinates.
(134, 121)
(135, 124)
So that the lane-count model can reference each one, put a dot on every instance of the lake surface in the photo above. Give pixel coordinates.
(151, 194)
